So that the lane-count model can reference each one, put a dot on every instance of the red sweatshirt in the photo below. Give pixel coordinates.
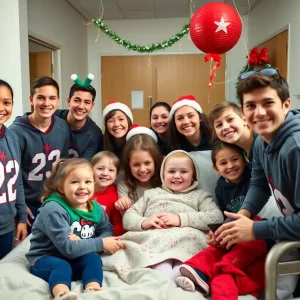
(107, 199)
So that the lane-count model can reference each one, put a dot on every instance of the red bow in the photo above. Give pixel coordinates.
(217, 59)
(258, 58)
(84, 222)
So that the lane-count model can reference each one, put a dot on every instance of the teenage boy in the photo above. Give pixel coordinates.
(265, 103)
(43, 139)
(86, 137)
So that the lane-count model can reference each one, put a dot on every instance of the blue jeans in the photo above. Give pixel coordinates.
(56, 270)
(6, 243)
(34, 209)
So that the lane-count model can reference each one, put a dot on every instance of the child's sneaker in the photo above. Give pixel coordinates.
(195, 276)
(67, 296)
(185, 283)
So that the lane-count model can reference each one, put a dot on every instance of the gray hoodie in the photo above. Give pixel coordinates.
(12, 198)
(277, 166)
(39, 151)
(54, 223)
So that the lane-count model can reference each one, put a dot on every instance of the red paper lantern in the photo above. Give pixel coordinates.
(215, 28)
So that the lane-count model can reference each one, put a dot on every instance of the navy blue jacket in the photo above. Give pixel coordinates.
(86, 141)
(231, 195)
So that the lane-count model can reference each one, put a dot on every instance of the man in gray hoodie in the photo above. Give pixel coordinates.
(43, 139)
(265, 102)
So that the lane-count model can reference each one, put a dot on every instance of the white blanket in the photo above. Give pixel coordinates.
(16, 283)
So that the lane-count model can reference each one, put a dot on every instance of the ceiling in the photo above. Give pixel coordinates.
(148, 9)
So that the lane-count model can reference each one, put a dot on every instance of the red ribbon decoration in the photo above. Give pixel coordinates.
(257, 58)
(217, 59)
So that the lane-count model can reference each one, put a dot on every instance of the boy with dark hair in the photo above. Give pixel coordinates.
(265, 103)
(43, 139)
(86, 137)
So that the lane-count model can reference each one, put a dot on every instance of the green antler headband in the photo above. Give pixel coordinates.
(86, 82)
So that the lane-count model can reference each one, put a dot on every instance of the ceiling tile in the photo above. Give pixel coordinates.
(170, 4)
(113, 15)
(171, 14)
(80, 8)
(111, 10)
(136, 5)
(137, 9)
(171, 9)
(242, 6)
(134, 14)
(199, 3)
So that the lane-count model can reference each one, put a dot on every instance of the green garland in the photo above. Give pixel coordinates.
(140, 48)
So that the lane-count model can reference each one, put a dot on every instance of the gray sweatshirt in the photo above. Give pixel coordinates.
(39, 151)
(51, 229)
(277, 166)
(12, 200)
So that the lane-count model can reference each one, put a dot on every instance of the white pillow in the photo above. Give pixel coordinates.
(208, 176)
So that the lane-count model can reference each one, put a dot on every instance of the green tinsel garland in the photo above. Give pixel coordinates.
(140, 48)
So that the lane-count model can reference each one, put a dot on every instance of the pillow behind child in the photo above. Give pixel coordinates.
(208, 176)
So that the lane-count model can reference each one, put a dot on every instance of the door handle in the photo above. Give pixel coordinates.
(149, 102)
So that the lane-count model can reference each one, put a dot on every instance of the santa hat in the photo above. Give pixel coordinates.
(185, 101)
(137, 129)
(115, 105)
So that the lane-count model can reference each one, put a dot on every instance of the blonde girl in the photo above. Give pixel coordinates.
(67, 210)
(106, 166)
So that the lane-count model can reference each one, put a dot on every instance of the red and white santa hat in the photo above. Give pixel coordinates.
(137, 129)
(189, 100)
(115, 105)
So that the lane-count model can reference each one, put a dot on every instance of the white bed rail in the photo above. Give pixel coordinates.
(274, 268)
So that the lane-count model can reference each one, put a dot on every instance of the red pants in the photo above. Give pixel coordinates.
(234, 272)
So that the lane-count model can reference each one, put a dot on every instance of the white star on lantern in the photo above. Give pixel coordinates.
(222, 25)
